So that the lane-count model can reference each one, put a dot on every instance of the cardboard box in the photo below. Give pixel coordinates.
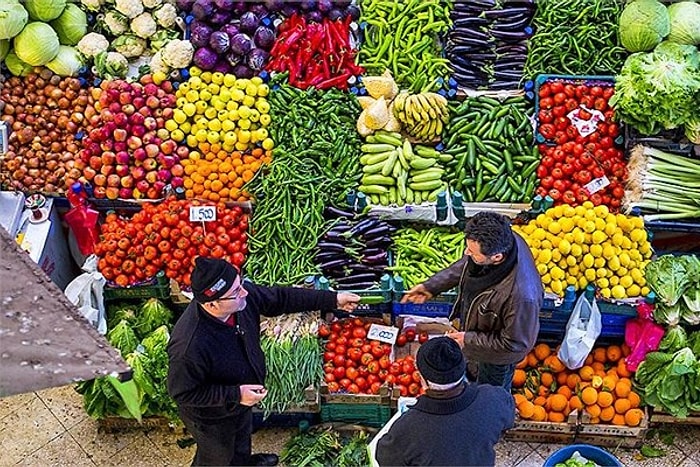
(47, 245)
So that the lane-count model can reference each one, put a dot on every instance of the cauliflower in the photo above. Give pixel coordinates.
(129, 45)
(92, 5)
(111, 65)
(115, 23)
(130, 8)
(152, 3)
(166, 15)
(92, 44)
(157, 64)
(144, 25)
(177, 53)
(160, 38)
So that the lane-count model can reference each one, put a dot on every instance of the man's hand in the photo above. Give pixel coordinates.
(251, 394)
(458, 337)
(418, 294)
(348, 301)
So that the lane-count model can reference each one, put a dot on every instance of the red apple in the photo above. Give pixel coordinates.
(152, 150)
(108, 158)
(107, 169)
(99, 192)
(142, 186)
(152, 176)
(134, 142)
(168, 146)
(95, 162)
(150, 123)
(127, 181)
(138, 173)
(122, 170)
(126, 193)
(122, 157)
(177, 170)
(99, 180)
(120, 134)
(113, 180)
(112, 193)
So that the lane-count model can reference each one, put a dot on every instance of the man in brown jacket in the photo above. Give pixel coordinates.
(499, 297)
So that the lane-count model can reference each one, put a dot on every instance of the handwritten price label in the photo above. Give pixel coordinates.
(387, 334)
(597, 184)
(202, 213)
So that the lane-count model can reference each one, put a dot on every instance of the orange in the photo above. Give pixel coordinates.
(613, 353)
(634, 399)
(607, 414)
(622, 389)
(597, 381)
(589, 359)
(532, 360)
(572, 380)
(605, 399)
(586, 373)
(547, 379)
(565, 391)
(519, 377)
(633, 417)
(522, 363)
(598, 367)
(625, 349)
(562, 376)
(526, 409)
(542, 351)
(575, 403)
(558, 402)
(599, 355)
(618, 419)
(556, 417)
(622, 405)
(593, 410)
(518, 398)
(540, 400)
(609, 383)
(528, 394)
(540, 415)
(622, 369)
(589, 396)
(554, 364)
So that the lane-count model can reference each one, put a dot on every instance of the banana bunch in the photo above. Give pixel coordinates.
(422, 115)
(395, 172)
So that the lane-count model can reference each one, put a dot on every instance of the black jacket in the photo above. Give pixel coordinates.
(209, 359)
(502, 322)
(462, 430)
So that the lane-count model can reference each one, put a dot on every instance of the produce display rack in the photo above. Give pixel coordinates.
(158, 287)
(667, 140)
(363, 409)
(601, 434)
(661, 416)
(544, 432)
(614, 316)
(381, 294)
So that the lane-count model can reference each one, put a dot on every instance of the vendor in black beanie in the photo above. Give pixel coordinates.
(216, 366)
(454, 422)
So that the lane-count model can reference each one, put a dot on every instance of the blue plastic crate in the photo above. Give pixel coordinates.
(437, 307)
(383, 290)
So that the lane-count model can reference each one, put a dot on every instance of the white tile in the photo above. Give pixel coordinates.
(141, 452)
(61, 451)
(27, 429)
(65, 403)
(12, 403)
(511, 452)
(101, 446)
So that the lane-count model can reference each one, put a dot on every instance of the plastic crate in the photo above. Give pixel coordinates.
(438, 307)
(158, 287)
(373, 415)
(602, 81)
(382, 292)
(668, 140)
(614, 316)
(284, 419)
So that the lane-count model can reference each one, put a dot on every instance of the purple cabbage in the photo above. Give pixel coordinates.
(222, 67)
(249, 22)
(219, 42)
(325, 6)
(274, 5)
(230, 29)
(233, 58)
(200, 34)
(242, 71)
(240, 43)
(308, 5)
(264, 38)
(341, 3)
(259, 9)
(202, 9)
(314, 16)
(224, 4)
(256, 59)
(220, 17)
(335, 14)
(288, 10)
(239, 8)
(353, 11)
(205, 58)
(184, 5)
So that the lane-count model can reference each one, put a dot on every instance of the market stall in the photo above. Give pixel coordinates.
(342, 145)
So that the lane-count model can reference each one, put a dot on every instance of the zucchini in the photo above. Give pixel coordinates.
(376, 179)
(422, 163)
(376, 147)
(373, 189)
(425, 186)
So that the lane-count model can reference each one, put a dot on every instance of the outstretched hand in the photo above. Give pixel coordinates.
(348, 301)
(418, 294)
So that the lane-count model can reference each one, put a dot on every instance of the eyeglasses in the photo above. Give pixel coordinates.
(235, 296)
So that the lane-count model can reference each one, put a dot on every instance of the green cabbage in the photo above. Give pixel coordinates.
(643, 24)
(685, 23)
(71, 26)
(674, 339)
(152, 315)
(4, 48)
(45, 10)
(67, 63)
(122, 337)
(37, 44)
(16, 66)
(13, 17)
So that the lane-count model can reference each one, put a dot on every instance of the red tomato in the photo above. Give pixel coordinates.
(324, 331)
(375, 387)
(377, 351)
(423, 337)
(405, 379)
(410, 335)
(408, 367)
(357, 342)
(339, 360)
(395, 369)
(328, 356)
(333, 387)
(401, 340)
(384, 362)
(352, 373)
(340, 348)
(354, 354)
(366, 358)
(329, 377)
(373, 367)
(413, 389)
(361, 383)
(359, 332)
(345, 382)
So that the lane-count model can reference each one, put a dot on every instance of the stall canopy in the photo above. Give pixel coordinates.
(44, 342)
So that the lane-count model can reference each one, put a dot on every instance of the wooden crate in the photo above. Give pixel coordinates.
(544, 432)
(327, 397)
(659, 416)
(606, 435)
(119, 424)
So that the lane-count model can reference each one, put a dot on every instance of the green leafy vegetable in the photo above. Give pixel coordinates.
(4, 48)
(71, 26)
(16, 66)
(674, 339)
(130, 395)
(37, 44)
(67, 62)
(45, 10)
(123, 338)
(13, 17)
(152, 314)
(643, 24)
(668, 278)
(685, 23)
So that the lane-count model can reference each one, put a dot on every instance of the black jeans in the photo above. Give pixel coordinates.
(226, 442)
(496, 375)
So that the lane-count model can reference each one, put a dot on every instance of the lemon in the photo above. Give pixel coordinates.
(243, 136)
(213, 89)
(588, 260)
(192, 96)
(596, 250)
(214, 125)
(217, 77)
(201, 135)
(614, 280)
(557, 287)
(213, 137)
(232, 105)
(254, 115)
(582, 282)
(242, 83)
(566, 224)
(568, 211)
(554, 227)
(638, 235)
(244, 111)
(626, 281)
(601, 211)
(576, 250)
(542, 268)
(554, 240)
(556, 256)
(564, 247)
(601, 272)
(249, 101)
(542, 220)
(191, 141)
(579, 236)
(227, 125)
(599, 263)
(618, 292)
(230, 138)
(598, 237)
(546, 244)
(634, 291)
(610, 229)
(177, 135)
(589, 215)
(556, 212)
(645, 291)
(210, 113)
(645, 249)
(244, 124)
(608, 250)
(539, 234)
(626, 243)
(259, 135)
(571, 280)
(237, 95)
(557, 273)
(600, 224)
(268, 144)
(580, 210)
(262, 105)
(602, 282)
(218, 104)
(622, 271)
(263, 90)
(589, 226)
(571, 261)
(546, 279)
(534, 243)
(614, 263)
(233, 115)
(605, 293)
(545, 256)
(172, 125)
(251, 89)
(200, 106)
(180, 116)
(590, 274)
(195, 82)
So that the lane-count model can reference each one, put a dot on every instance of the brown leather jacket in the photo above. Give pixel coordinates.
(501, 323)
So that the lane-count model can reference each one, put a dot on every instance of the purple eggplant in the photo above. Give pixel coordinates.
(331, 212)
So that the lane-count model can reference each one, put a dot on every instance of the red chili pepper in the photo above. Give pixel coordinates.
(340, 81)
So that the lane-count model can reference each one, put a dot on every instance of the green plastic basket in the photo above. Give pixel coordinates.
(160, 289)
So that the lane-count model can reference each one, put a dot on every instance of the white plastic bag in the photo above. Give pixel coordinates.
(582, 330)
(85, 292)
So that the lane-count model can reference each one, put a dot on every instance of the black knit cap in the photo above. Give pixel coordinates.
(211, 278)
(440, 361)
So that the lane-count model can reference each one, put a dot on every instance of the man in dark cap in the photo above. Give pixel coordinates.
(217, 368)
(499, 298)
(454, 422)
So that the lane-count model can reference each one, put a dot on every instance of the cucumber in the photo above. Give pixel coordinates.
(389, 164)
(376, 179)
(425, 151)
(408, 150)
(373, 189)
(376, 147)
(402, 159)
(427, 176)
(374, 168)
(425, 186)
(373, 158)
(387, 139)
(422, 163)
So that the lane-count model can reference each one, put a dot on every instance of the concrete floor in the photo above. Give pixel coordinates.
(50, 428)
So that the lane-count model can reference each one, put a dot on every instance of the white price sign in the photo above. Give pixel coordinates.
(597, 184)
(202, 213)
(3, 138)
(382, 333)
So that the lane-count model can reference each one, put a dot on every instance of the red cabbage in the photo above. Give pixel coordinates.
(353, 11)
(308, 4)
(335, 14)
(249, 22)
(242, 71)
(239, 8)
(219, 42)
(314, 16)
(230, 29)
(259, 10)
(220, 17)
(342, 3)
(233, 58)
(222, 67)
(202, 9)
(205, 58)
(256, 59)
(184, 5)
(274, 5)
(200, 34)
(240, 43)
(264, 38)
(326, 6)
(224, 4)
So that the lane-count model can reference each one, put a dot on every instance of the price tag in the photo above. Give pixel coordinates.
(3, 138)
(597, 184)
(382, 333)
(202, 213)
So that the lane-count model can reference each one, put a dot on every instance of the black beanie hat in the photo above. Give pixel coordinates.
(211, 278)
(440, 361)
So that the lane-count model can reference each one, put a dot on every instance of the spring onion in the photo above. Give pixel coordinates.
(663, 183)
